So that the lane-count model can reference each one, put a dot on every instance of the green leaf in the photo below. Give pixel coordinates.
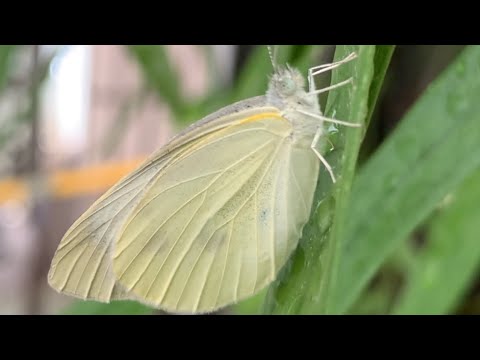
(251, 306)
(305, 284)
(383, 55)
(446, 267)
(159, 73)
(434, 148)
(114, 308)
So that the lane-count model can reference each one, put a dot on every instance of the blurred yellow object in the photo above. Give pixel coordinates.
(13, 189)
(70, 183)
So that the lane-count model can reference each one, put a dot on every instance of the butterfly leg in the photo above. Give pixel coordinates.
(326, 67)
(316, 138)
(327, 119)
(331, 87)
(331, 144)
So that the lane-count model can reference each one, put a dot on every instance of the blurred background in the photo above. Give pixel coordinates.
(74, 119)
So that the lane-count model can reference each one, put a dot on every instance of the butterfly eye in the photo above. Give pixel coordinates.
(287, 86)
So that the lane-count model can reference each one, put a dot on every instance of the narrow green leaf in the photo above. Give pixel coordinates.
(434, 148)
(355, 108)
(6, 53)
(445, 268)
(159, 73)
(305, 285)
(383, 55)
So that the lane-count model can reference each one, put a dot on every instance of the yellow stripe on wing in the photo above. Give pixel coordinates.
(259, 117)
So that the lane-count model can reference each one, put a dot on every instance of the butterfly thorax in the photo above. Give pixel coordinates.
(286, 91)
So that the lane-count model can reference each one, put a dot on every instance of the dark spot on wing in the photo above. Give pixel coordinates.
(264, 215)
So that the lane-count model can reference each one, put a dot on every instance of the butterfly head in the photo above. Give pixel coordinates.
(287, 89)
(286, 81)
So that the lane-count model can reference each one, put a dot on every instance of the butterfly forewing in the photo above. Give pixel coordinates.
(82, 264)
(214, 242)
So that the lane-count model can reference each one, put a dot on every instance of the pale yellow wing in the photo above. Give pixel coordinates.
(82, 264)
(217, 224)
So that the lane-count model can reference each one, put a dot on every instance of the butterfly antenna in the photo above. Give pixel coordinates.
(272, 52)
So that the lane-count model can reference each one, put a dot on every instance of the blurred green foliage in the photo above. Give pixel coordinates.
(23, 112)
(429, 154)
(6, 54)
